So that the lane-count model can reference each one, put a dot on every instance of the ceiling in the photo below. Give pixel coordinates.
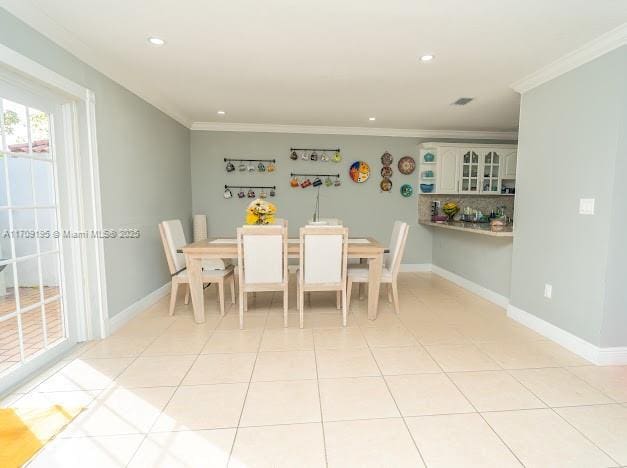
(325, 62)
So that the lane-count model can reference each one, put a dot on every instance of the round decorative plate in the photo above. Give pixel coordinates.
(386, 172)
(406, 165)
(359, 171)
(386, 185)
(387, 159)
(407, 190)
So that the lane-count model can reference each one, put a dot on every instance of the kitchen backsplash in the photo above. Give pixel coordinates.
(484, 203)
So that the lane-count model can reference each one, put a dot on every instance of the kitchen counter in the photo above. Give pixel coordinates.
(474, 228)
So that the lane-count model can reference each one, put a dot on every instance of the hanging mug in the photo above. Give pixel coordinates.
(241, 194)
(317, 182)
(242, 167)
(263, 194)
(313, 156)
(251, 193)
(294, 182)
(227, 193)
(304, 156)
(270, 167)
(230, 167)
(328, 182)
(337, 182)
(337, 157)
(272, 192)
(305, 183)
(261, 167)
(324, 157)
(251, 168)
(294, 155)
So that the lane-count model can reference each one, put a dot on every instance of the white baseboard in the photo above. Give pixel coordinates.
(119, 319)
(486, 293)
(415, 267)
(579, 346)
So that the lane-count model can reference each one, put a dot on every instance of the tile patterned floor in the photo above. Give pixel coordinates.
(450, 382)
(32, 325)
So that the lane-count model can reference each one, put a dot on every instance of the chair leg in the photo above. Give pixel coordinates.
(301, 306)
(245, 302)
(221, 296)
(344, 306)
(232, 283)
(241, 307)
(338, 300)
(361, 291)
(285, 299)
(389, 287)
(349, 290)
(395, 297)
(173, 291)
(187, 292)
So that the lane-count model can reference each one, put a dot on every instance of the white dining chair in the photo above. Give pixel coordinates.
(391, 266)
(213, 271)
(262, 263)
(323, 264)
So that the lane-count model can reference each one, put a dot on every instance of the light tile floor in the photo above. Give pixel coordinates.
(450, 382)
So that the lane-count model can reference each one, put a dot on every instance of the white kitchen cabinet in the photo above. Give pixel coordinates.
(447, 170)
(510, 159)
(470, 168)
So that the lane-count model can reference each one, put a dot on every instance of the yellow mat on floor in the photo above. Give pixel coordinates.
(24, 431)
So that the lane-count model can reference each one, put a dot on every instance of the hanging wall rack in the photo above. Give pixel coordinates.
(295, 174)
(243, 186)
(337, 150)
(249, 160)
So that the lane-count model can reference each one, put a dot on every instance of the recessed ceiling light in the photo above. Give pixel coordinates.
(372, 119)
(427, 58)
(221, 112)
(156, 41)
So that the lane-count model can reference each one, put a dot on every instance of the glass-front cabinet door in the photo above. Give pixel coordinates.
(490, 176)
(470, 182)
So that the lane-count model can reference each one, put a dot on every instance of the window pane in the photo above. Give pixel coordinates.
(3, 184)
(20, 183)
(39, 131)
(14, 126)
(28, 281)
(50, 275)
(7, 292)
(24, 232)
(32, 332)
(54, 321)
(5, 240)
(9, 344)
(43, 178)
(47, 222)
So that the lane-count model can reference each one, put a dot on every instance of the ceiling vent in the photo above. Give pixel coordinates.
(462, 101)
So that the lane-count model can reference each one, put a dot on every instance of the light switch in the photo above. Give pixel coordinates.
(586, 206)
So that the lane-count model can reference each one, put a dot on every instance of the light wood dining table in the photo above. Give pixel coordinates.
(364, 249)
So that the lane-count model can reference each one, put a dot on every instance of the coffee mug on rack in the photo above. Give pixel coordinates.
(294, 182)
(227, 193)
(305, 183)
(328, 182)
(241, 167)
(251, 193)
(230, 167)
(337, 182)
(261, 167)
(270, 167)
(263, 194)
(293, 155)
(317, 182)
(272, 192)
(241, 194)
(313, 156)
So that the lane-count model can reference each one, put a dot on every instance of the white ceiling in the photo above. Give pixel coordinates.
(325, 62)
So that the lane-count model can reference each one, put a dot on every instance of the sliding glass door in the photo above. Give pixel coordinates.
(33, 296)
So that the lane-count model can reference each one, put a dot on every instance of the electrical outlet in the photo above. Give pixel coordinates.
(586, 206)
(548, 291)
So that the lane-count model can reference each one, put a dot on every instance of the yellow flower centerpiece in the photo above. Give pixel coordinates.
(260, 212)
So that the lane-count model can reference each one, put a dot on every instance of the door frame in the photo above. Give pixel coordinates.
(80, 142)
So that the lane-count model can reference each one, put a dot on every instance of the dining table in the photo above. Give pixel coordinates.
(366, 249)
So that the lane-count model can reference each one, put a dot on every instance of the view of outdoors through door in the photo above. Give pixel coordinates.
(31, 300)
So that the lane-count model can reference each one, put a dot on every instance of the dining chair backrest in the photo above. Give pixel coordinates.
(262, 253)
(397, 246)
(173, 239)
(324, 252)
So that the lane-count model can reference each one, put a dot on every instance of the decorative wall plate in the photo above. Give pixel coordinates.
(386, 185)
(386, 172)
(387, 159)
(407, 190)
(406, 165)
(359, 171)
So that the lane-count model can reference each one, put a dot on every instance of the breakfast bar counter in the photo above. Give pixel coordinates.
(474, 228)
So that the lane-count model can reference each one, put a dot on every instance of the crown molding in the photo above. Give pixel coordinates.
(600, 46)
(363, 131)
